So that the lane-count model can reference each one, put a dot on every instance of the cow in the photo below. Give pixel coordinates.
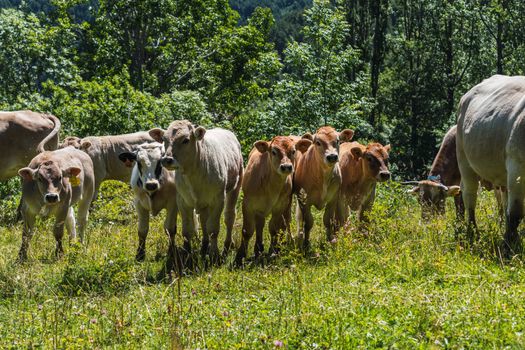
(317, 180)
(490, 134)
(443, 180)
(104, 152)
(24, 134)
(267, 189)
(154, 190)
(208, 168)
(53, 182)
(361, 168)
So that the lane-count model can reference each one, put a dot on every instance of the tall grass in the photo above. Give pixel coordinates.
(399, 282)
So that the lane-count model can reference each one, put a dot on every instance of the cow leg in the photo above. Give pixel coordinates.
(213, 225)
(27, 232)
(366, 208)
(279, 222)
(58, 231)
(70, 225)
(329, 220)
(143, 217)
(308, 224)
(188, 232)
(460, 208)
(248, 227)
(170, 226)
(83, 214)
(229, 216)
(259, 228)
(516, 193)
(469, 193)
(205, 243)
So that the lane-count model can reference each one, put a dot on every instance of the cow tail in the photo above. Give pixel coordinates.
(56, 122)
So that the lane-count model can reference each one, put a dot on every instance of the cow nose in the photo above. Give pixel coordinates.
(332, 158)
(167, 161)
(152, 186)
(384, 175)
(286, 168)
(51, 197)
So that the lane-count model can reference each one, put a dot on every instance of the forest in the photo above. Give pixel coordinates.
(392, 70)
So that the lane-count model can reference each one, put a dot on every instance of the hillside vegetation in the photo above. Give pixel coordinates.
(397, 283)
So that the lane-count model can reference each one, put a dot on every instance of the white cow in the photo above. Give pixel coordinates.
(209, 170)
(491, 145)
(154, 189)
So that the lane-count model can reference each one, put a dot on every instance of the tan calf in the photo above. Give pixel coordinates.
(267, 188)
(52, 183)
(317, 180)
(361, 168)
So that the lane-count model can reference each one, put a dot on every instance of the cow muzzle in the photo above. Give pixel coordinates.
(169, 163)
(51, 198)
(332, 158)
(151, 186)
(286, 168)
(383, 176)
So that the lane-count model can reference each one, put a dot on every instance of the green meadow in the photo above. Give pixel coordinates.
(397, 282)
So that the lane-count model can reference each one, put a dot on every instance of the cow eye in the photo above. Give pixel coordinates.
(274, 152)
(318, 143)
(185, 141)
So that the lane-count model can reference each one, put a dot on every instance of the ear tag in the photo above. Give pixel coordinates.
(74, 181)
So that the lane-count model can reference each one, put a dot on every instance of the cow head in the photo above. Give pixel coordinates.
(148, 167)
(71, 141)
(281, 152)
(181, 142)
(375, 160)
(431, 195)
(50, 179)
(326, 142)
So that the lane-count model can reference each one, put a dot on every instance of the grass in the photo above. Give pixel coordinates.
(397, 283)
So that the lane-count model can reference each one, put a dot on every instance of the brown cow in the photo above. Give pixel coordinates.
(53, 182)
(267, 188)
(443, 180)
(361, 168)
(317, 180)
(25, 134)
(104, 152)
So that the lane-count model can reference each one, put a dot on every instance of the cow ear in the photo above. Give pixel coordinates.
(27, 174)
(346, 135)
(453, 191)
(387, 148)
(157, 134)
(308, 136)
(413, 190)
(357, 152)
(199, 133)
(262, 146)
(71, 171)
(127, 158)
(302, 145)
(84, 145)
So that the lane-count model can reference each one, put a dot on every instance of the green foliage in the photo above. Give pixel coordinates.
(316, 87)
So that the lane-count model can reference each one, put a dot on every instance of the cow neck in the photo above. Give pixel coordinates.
(193, 165)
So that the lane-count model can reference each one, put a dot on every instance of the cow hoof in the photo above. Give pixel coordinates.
(141, 256)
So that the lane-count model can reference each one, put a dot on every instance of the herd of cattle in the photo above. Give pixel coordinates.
(199, 173)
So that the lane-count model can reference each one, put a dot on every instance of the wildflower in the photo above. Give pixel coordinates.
(278, 343)
(334, 240)
(193, 292)
(40, 307)
(93, 321)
